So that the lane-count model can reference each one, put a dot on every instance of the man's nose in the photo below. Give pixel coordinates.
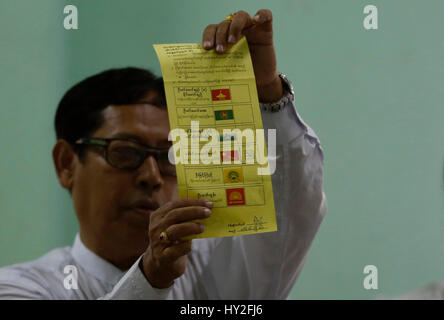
(149, 174)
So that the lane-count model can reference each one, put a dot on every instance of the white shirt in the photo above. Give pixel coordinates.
(432, 291)
(260, 266)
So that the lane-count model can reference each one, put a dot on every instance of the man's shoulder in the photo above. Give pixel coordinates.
(49, 262)
(35, 277)
(432, 291)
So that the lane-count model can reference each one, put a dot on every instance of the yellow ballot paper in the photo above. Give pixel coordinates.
(218, 138)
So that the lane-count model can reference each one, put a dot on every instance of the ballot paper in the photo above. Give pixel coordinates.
(213, 110)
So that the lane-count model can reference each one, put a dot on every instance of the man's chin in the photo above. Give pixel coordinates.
(138, 218)
(133, 239)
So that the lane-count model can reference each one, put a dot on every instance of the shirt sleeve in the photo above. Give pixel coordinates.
(16, 285)
(266, 266)
(134, 286)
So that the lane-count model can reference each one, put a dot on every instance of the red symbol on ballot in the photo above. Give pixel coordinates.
(235, 197)
(220, 94)
(228, 156)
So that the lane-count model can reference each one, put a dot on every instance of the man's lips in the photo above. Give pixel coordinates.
(144, 206)
(142, 210)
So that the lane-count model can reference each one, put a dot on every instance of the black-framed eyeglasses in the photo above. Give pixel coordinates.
(129, 154)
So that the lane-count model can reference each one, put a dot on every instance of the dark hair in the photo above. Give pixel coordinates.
(79, 112)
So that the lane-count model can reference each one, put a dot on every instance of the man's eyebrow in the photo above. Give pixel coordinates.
(156, 101)
(124, 135)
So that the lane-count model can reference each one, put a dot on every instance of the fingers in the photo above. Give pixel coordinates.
(220, 35)
(176, 248)
(185, 214)
(188, 202)
(175, 218)
(179, 225)
(209, 36)
(241, 20)
(171, 254)
(180, 203)
(178, 231)
(262, 16)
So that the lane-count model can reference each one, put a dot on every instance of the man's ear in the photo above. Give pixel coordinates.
(65, 160)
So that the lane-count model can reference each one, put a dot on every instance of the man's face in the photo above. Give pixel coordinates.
(114, 205)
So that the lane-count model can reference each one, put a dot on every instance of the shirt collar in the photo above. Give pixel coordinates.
(93, 264)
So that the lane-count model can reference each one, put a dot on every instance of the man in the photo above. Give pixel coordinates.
(111, 154)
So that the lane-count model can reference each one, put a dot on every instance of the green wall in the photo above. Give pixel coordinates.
(35, 212)
(373, 97)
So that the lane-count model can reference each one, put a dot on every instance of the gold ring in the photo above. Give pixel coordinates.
(229, 17)
(164, 237)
